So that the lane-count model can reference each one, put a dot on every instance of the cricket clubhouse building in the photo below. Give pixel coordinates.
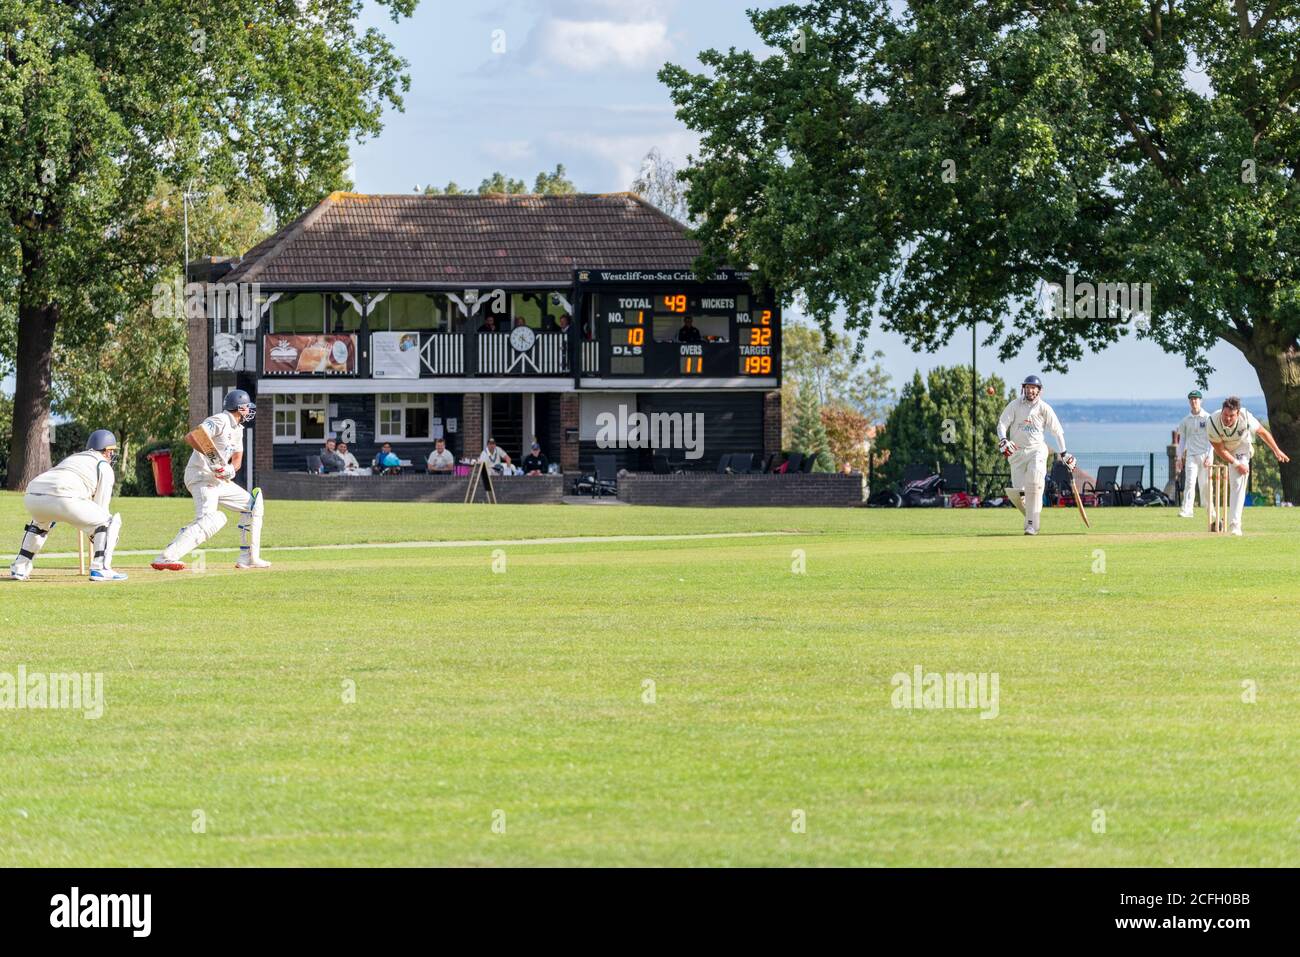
(408, 318)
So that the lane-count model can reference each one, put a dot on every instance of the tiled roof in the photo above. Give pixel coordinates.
(375, 240)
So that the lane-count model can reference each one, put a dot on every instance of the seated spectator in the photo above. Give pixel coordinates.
(350, 463)
(330, 460)
(489, 325)
(385, 455)
(565, 323)
(519, 321)
(494, 456)
(688, 332)
(441, 460)
(535, 462)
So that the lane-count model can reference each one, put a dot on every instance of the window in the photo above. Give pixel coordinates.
(300, 418)
(403, 416)
(304, 312)
(403, 312)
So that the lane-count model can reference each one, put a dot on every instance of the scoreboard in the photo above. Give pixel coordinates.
(669, 325)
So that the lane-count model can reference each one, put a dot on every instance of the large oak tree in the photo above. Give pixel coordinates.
(100, 100)
(934, 165)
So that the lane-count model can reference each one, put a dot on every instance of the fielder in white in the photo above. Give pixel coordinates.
(77, 491)
(208, 478)
(1231, 432)
(1021, 429)
(1194, 454)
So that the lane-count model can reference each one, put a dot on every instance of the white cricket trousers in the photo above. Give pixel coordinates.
(209, 497)
(1029, 474)
(1237, 490)
(81, 513)
(1196, 474)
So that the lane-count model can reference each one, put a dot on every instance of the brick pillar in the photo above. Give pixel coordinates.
(263, 431)
(569, 421)
(471, 424)
(196, 337)
(772, 423)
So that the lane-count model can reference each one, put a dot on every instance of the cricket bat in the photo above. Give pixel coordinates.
(201, 442)
(1078, 500)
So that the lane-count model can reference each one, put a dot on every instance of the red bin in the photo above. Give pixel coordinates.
(161, 461)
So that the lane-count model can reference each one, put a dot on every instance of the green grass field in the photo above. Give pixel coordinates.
(1121, 656)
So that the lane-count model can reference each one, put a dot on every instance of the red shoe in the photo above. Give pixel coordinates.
(166, 566)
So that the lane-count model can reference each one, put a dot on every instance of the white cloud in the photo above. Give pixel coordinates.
(624, 152)
(507, 151)
(591, 45)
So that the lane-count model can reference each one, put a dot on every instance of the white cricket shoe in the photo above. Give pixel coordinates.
(1236, 530)
(106, 575)
(1186, 515)
(247, 564)
(19, 574)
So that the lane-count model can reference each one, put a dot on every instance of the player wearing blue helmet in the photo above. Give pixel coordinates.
(1021, 430)
(77, 491)
(218, 446)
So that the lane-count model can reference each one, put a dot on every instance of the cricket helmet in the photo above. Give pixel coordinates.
(101, 440)
(1034, 381)
(238, 400)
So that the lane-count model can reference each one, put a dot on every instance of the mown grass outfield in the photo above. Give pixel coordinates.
(1120, 690)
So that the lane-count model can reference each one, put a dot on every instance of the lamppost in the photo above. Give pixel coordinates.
(187, 196)
(974, 407)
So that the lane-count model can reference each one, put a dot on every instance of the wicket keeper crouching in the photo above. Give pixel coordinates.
(218, 454)
(77, 491)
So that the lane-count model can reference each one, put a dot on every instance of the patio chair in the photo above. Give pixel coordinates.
(313, 465)
(1130, 484)
(1104, 491)
(954, 477)
(792, 463)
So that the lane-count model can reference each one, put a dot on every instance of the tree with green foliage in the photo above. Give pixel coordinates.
(807, 433)
(100, 101)
(937, 163)
(131, 374)
(830, 365)
(555, 183)
(931, 424)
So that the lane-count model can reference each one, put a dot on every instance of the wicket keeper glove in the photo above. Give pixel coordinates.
(1007, 448)
(1068, 460)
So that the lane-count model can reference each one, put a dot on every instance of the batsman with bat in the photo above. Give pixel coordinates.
(218, 446)
(1021, 430)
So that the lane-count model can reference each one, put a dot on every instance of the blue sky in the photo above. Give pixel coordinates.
(575, 84)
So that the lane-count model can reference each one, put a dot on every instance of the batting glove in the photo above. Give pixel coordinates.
(1068, 460)
(224, 472)
(1006, 447)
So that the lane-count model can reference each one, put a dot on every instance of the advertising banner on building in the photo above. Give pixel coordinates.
(309, 355)
(395, 355)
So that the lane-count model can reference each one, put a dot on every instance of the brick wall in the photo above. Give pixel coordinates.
(569, 447)
(471, 424)
(514, 490)
(704, 489)
(772, 423)
(196, 336)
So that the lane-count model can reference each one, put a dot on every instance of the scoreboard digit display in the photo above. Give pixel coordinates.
(670, 326)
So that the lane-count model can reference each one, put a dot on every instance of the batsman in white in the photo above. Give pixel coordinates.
(1021, 429)
(1231, 430)
(76, 491)
(1195, 453)
(208, 477)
